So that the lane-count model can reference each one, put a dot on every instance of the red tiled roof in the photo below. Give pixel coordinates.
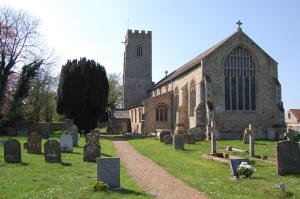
(296, 113)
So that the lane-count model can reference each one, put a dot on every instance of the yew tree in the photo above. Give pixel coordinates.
(82, 93)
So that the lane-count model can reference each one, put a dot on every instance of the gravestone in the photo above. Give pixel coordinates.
(189, 139)
(288, 157)
(178, 141)
(213, 144)
(25, 145)
(66, 142)
(168, 139)
(108, 171)
(251, 140)
(161, 133)
(47, 130)
(289, 134)
(12, 151)
(74, 138)
(246, 136)
(2, 141)
(91, 138)
(34, 144)
(234, 163)
(52, 151)
(91, 152)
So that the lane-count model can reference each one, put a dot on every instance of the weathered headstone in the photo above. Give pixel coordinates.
(74, 138)
(46, 131)
(161, 133)
(25, 145)
(12, 151)
(288, 157)
(189, 139)
(91, 138)
(66, 142)
(108, 171)
(251, 140)
(213, 138)
(52, 151)
(91, 152)
(178, 141)
(34, 144)
(289, 134)
(234, 163)
(246, 136)
(168, 139)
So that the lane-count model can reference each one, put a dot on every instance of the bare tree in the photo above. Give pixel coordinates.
(20, 43)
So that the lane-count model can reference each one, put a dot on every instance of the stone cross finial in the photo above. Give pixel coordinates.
(239, 23)
(166, 73)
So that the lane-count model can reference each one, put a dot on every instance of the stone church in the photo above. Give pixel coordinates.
(233, 83)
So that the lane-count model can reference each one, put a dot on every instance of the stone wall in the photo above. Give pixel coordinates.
(118, 125)
(150, 106)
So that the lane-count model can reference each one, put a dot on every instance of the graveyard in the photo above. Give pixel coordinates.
(72, 178)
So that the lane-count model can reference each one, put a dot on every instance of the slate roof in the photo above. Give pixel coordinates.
(191, 64)
(296, 113)
(197, 60)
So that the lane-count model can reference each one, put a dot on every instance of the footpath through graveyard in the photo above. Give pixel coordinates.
(152, 178)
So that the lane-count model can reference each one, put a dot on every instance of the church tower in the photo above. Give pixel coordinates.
(137, 72)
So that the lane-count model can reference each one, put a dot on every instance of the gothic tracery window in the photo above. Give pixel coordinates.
(161, 114)
(176, 98)
(239, 77)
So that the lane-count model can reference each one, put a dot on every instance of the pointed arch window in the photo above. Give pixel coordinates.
(161, 114)
(192, 98)
(239, 77)
(139, 50)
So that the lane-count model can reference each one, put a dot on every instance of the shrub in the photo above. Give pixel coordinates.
(99, 186)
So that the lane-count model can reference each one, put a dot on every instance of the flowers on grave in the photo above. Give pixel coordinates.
(99, 186)
(245, 169)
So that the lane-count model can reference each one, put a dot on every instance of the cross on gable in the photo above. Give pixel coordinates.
(239, 23)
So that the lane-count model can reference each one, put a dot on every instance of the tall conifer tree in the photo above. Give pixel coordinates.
(83, 93)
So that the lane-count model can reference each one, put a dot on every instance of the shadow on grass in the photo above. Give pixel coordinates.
(129, 191)
(106, 155)
(78, 146)
(76, 152)
(24, 163)
(259, 143)
(66, 164)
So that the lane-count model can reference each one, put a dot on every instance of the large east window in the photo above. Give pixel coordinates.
(239, 76)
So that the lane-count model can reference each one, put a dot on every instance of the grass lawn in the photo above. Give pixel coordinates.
(34, 178)
(212, 178)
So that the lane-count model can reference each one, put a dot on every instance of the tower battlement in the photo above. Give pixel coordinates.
(139, 34)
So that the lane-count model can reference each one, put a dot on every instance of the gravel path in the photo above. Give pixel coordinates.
(152, 178)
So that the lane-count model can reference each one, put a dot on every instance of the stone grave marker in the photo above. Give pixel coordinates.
(2, 141)
(66, 142)
(108, 171)
(234, 163)
(46, 131)
(178, 141)
(34, 144)
(25, 146)
(251, 140)
(162, 133)
(74, 138)
(189, 139)
(213, 144)
(12, 151)
(52, 151)
(289, 134)
(288, 157)
(91, 138)
(168, 139)
(91, 152)
(246, 136)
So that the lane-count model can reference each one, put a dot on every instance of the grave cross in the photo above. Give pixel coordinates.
(213, 137)
(251, 140)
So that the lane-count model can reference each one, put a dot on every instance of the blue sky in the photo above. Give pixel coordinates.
(181, 30)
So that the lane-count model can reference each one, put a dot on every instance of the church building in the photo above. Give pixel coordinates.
(233, 83)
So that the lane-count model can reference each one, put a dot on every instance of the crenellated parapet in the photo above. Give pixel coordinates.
(139, 34)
